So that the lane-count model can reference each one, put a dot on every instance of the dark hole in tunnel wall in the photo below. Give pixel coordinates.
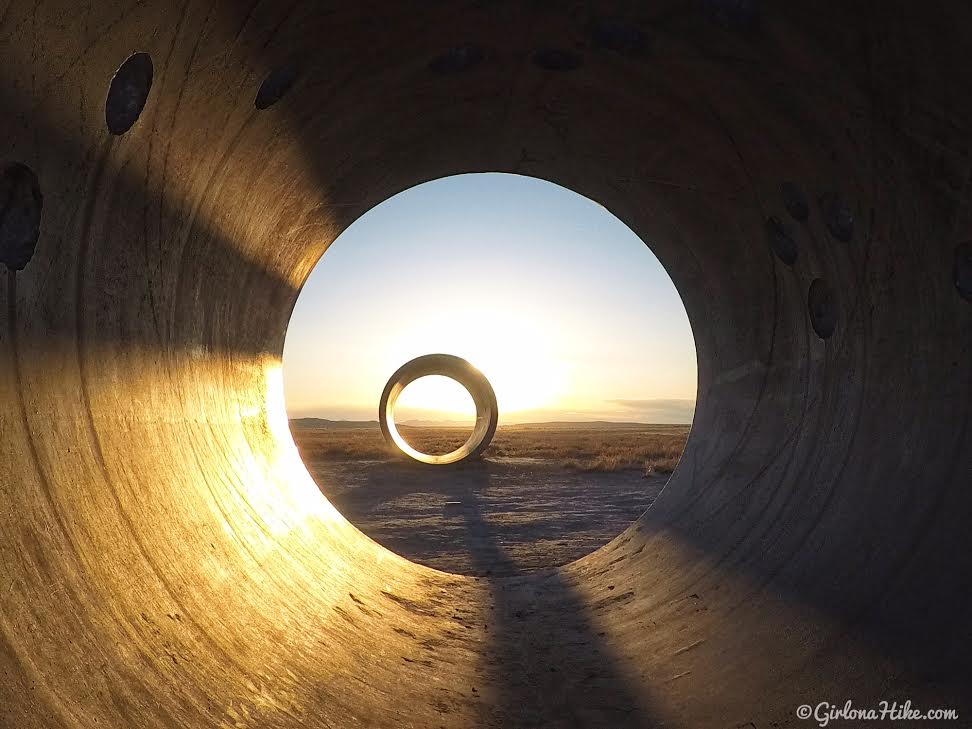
(275, 86)
(557, 59)
(963, 270)
(795, 201)
(21, 203)
(619, 36)
(128, 93)
(837, 217)
(458, 59)
(739, 15)
(823, 309)
(781, 240)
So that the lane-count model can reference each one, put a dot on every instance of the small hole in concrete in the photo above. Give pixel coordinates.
(458, 59)
(616, 35)
(838, 217)
(20, 215)
(795, 202)
(128, 93)
(274, 86)
(734, 14)
(963, 270)
(781, 240)
(557, 59)
(823, 309)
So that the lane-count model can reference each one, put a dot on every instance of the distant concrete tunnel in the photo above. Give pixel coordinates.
(803, 174)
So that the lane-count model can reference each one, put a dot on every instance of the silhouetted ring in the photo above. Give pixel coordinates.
(466, 375)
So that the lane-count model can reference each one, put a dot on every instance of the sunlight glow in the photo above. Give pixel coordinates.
(517, 355)
(293, 486)
(441, 395)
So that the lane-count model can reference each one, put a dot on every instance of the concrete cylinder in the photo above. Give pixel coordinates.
(802, 172)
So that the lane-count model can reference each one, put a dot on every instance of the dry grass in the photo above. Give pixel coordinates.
(581, 446)
(352, 444)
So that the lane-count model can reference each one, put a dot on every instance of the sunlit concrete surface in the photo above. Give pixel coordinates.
(165, 559)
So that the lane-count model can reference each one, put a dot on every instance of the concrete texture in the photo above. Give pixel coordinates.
(165, 561)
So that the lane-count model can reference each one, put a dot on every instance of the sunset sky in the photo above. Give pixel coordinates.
(565, 310)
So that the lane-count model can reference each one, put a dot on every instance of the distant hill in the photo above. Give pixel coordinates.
(587, 425)
(322, 424)
(325, 424)
(548, 425)
(436, 423)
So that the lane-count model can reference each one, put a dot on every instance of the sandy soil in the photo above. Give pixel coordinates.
(499, 516)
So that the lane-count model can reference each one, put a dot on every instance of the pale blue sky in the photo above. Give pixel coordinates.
(565, 309)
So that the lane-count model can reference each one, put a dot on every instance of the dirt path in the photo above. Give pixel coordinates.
(501, 516)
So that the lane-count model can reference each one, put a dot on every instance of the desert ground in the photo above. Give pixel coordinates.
(542, 495)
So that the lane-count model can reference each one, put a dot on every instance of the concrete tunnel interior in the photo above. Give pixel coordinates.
(803, 172)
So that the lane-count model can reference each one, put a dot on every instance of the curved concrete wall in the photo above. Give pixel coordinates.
(165, 560)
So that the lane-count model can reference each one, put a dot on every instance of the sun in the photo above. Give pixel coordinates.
(438, 394)
(516, 354)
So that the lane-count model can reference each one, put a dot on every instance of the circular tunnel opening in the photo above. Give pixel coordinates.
(428, 396)
(568, 315)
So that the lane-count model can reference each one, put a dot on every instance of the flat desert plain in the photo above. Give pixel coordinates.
(542, 495)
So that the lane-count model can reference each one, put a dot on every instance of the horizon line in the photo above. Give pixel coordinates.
(463, 423)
